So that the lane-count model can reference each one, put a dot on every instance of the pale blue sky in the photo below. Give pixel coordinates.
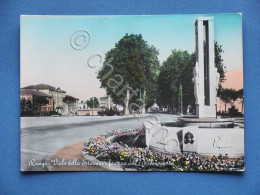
(47, 56)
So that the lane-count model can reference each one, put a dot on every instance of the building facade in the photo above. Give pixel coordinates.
(105, 102)
(56, 102)
(30, 94)
(82, 105)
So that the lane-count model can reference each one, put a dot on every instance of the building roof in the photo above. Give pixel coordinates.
(103, 98)
(59, 89)
(43, 86)
(72, 97)
(33, 92)
(40, 86)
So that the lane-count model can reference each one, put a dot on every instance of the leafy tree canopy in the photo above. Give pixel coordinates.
(69, 100)
(137, 64)
(93, 101)
(219, 61)
(178, 68)
(38, 102)
(229, 96)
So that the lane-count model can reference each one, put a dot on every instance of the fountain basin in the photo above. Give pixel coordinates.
(206, 122)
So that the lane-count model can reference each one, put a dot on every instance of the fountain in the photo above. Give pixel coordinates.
(203, 133)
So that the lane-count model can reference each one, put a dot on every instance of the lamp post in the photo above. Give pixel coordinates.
(180, 98)
(93, 106)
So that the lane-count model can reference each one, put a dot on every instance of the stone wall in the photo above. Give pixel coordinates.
(84, 112)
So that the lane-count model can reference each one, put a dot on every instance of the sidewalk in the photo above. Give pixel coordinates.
(69, 158)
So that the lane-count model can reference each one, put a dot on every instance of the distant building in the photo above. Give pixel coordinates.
(29, 94)
(105, 102)
(84, 110)
(82, 105)
(72, 108)
(57, 98)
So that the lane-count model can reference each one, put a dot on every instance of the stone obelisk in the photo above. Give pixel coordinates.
(205, 74)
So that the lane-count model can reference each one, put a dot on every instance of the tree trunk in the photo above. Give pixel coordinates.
(126, 109)
(143, 106)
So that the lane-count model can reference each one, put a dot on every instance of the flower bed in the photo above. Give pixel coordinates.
(103, 149)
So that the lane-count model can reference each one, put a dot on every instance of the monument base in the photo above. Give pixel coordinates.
(206, 111)
(204, 141)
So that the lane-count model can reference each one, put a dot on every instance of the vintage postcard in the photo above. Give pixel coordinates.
(132, 93)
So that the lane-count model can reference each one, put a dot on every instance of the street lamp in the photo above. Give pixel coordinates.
(92, 106)
(180, 98)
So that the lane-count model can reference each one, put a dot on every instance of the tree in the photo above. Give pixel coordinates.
(228, 96)
(38, 102)
(131, 65)
(93, 101)
(219, 61)
(233, 111)
(240, 95)
(69, 100)
(22, 105)
(176, 70)
(26, 107)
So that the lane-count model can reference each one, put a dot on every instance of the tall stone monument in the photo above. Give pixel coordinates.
(205, 75)
(204, 133)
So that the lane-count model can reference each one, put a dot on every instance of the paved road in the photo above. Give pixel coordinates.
(40, 140)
